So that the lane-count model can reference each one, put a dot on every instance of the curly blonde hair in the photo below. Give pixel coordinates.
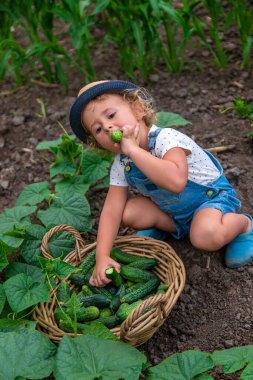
(140, 95)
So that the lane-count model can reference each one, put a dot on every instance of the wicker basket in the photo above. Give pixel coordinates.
(138, 327)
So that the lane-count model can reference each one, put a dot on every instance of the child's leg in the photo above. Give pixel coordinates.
(141, 213)
(211, 230)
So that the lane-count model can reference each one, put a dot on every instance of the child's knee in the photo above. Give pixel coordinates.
(129, 215)
(208, 237)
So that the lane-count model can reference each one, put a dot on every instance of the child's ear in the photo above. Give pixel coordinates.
(138, 109)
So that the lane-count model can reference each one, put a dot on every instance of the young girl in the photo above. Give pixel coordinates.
(182, 187)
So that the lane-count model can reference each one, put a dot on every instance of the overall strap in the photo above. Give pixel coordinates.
(152, 138)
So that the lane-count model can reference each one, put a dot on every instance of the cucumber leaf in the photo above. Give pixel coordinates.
(88, 357)
(9, 243)
(13, 216)
(247, 373)
(2, 298)
(3, 258)
(33, 194)
(233, 359)
(25, 353)
(185, 365)
(99, 330)
(94, 167)
(7, 324)
(56, 267)
(65, 168)
(50, 145)
(68, 208)
(30, 249)
(170, 119)
(15, 268)
(61, 243)
(22, 292)
(75, 185)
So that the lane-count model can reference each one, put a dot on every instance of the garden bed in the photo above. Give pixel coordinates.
(215, 309)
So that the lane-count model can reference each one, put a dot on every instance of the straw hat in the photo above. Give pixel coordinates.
(89, 92)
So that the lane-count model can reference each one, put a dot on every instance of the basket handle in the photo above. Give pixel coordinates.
(63, 227)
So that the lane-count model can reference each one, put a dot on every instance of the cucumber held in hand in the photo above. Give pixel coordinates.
(113, 275)
(116, 136)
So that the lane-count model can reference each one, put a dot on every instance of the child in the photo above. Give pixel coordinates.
(182, 187)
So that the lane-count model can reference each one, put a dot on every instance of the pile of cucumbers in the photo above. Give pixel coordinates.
(112, 304)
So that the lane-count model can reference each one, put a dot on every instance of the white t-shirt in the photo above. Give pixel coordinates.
(201, 169)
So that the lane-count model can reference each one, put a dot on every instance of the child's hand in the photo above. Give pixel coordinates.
(98, 277)
(130, 138)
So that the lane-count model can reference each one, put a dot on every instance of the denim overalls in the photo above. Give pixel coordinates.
(218, 194)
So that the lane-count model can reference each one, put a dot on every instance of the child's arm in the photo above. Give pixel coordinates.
(109, 224)
(170, 172)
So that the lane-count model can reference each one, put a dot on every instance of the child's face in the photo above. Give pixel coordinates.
(105, 115)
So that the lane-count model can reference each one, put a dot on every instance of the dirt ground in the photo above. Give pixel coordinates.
(215, 310)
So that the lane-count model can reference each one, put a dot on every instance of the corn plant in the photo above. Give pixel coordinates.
(212, 28)
(12, 60)
(178, 31)
(79, 18)
(134, 27)
(242, 14)
(42, 53)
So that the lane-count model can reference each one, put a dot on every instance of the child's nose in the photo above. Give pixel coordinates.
(108, 127)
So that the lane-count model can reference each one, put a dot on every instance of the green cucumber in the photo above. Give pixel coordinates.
(144, 263)
(162, 288)
(85, 314)
(133, 287)
(135, 274)
(68, 326)
(110, 322)
(106, 312)
(113, 275)
(122, 257)
(77, 279)
(111, 288)
(86, 291)
(88, 262)
(98, 300)
(116, 136)
(142, 291)
(95, 289)
(116, 299)
(125, 310)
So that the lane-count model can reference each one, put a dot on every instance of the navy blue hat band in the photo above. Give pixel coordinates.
(75, 117)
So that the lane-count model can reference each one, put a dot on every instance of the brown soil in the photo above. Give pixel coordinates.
(215, 310)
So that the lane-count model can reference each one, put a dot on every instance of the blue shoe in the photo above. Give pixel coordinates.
(240, 251)
(154, 233)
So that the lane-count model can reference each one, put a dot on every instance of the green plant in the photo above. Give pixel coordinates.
(213, 28)
(79, 19)
(244, 109)
(178, 31)
(135, 34)
(42, 53)
(242, 15)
